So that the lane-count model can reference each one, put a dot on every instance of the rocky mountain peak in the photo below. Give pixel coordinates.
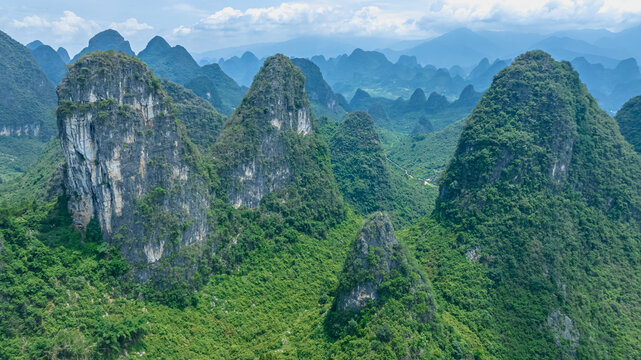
(106, 40)
(376, 260)
(126, 159)
(418, 99)
(108, 36)
(269, 143)
(157, 43)
(279, 89)
(376, 239)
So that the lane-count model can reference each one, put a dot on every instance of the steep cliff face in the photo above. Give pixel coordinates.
(127, 159)
(254, 142)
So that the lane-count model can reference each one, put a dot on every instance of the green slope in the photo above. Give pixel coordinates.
(629, 120)
(27, 98)
(543, 194)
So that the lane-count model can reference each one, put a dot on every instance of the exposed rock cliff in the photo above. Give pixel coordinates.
(376, 259)
(127, 159)
(254, 153)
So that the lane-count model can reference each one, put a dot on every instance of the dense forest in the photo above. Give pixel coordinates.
(154, 206)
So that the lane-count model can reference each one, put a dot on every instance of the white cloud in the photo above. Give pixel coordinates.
(422, 18)
(181, 30)
(31, 22)
(130, 26)
(64, 28)
(296, 16)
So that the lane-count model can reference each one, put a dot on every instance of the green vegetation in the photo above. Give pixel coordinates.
(16, 155)
(629, 120)
(61, 297)
(364, 174)
(27, 98)
(533, 249)
(177, 65)
(359, 164)
(423, 155)
(202, 122)
(41, 182)
(543, 193)
(400, 319)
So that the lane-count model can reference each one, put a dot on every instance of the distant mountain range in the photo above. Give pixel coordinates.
(445, 64)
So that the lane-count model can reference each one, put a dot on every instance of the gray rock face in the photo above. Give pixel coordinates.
(372, 258)
(32, 129)
(126, 159)
(563, 329)
(254, 142)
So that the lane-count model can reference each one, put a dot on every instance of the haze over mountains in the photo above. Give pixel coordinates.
(456, 198)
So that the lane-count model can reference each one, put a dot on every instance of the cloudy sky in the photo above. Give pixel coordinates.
(202, 25)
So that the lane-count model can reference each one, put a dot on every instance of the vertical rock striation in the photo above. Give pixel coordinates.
(253, 156)
(129, 164)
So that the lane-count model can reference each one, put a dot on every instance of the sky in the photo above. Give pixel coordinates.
(202, 25)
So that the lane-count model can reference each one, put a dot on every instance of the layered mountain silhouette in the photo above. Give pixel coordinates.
(106, 40)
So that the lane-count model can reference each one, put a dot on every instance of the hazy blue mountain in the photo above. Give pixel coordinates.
(172, 63)
(64, 55)
(50, 62)
(587, 35)
(419, 113)
(374, 73)
(459, 47)
(481, 76)
(106, 40)
(34, 44)
(229, 91)
(324, 100)
(627, 39)
(306, 47)
(242, 69)
(564, 48)
(209, 82)
(612, 87)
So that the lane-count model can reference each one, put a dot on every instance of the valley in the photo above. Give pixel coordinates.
(478, 197)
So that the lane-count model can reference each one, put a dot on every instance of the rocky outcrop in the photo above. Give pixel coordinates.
(128, 160)
(32, 129)
(253, 155)
(377, 257)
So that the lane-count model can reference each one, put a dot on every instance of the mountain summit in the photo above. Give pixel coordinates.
(106, 40)
(269, 143)
(128, 161)
(545, 195)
